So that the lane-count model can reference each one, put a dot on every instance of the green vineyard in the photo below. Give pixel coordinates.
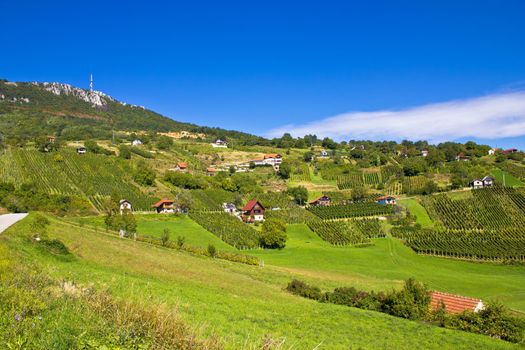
(414, 184)
(351, 232)
(95, 177)
(360, 209)
(350, 181)
(302, 173)
(228, 228)
(506, 244)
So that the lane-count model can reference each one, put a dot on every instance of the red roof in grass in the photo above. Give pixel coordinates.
(163, 201)
(455, 304)
(249, 206)
(385, 197)
(182, 165)
(272, 155)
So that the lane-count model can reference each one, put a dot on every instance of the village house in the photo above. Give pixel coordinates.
(165, 206)
(492, 151)
(424, 152)
(321, 201)
(229, 208)
(323, 154)
(181, 166)
(510, 150)
(124, 205)
(81, 150)
(487, 181)
(253, 211)
(51, 139)
(462, 157)
(386, 200)
(211, 171)
(455, 304)
(136, 143)
(273, 159)
(220, 144)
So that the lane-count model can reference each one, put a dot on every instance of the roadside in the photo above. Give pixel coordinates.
(7, 220)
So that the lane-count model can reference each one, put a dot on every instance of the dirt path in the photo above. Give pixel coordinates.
(7, 220)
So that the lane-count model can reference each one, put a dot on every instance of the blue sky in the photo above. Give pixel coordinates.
(268, 66)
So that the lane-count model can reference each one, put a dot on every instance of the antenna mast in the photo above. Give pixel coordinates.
(91, 84)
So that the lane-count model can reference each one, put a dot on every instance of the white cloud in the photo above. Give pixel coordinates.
(489, 117)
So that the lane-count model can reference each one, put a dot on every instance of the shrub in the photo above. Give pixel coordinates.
(212, 251)
(300, 288)
(273, 234)
(412, 302)
(165, 237)
(180, 241)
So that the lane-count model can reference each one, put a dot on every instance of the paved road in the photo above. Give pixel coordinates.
(9, 219)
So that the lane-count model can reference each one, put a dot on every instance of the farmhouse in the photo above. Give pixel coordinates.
(492, 151)
(462, 157)
(424, 152)
(124, 205)
(253, 211)
(81, 150)
(211, 171)
(165, 206)
(510, 150)
(487, 181)
(386, 200)
(229, 208)
(323, 154)
(136, 142)
(181, 166)
(455, 304)
(321, 201)
(220, 144)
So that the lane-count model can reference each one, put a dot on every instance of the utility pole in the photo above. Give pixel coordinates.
(91, 84)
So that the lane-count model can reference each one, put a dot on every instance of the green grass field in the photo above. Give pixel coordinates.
(242, 304)
(509, 180)
(417, 210)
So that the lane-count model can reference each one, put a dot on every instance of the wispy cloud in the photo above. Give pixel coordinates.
(488, 117)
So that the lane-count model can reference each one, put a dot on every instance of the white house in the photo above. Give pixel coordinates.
(81, 150)
(386, 200)
(488, 181)
(136, 142)
(424, 152)
(273, 159)
(476, 183)
(125, 205)
(492, 151)
(323, 154)
(220, 144)
(229, 208)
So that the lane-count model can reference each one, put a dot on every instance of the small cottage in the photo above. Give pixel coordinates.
(424, 152)
(51, 139)
(165, 206)
(487, 181)
(211, 171)
(462, 157)
(455, 304)
(181, 166)
(323, 154)
(136, 143)
(386, 200)
(492, 151)
(253, 211)
(229, 208)
(476, 183)
(220, 144)
(124, 205)
(510, 150)
(321, 201)
(81, 150)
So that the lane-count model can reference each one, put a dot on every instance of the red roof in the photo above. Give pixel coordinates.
(249, 206)
(272, 155)
(385, 197)
(454, 303)
(211, 170)
(163, 201)
(319, 198)
(182, 165)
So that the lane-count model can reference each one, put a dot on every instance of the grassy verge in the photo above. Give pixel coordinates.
(418, 211)
(241, 304)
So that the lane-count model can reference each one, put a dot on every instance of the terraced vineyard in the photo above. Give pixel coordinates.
(350, 181)
(94, 177)
(513, 169)
(507, 244)
(414, 184)
(228, 228)
(372, 178)
(353, 210)
(490, 208)
(301, 174)
(350, 232)
(210, 199)
(389, 171)
(295, 215)
(394, 189)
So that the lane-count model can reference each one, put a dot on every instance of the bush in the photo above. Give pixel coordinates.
(165, 237)
(273, 234)
(300, 288)
(412, 302)
(212, 251)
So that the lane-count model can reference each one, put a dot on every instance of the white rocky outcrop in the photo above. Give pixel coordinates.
(97, 98)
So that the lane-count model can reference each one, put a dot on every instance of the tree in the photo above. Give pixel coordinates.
(273, 234)
(144, 175)
(435, 157)
(359, 193)
(124, 152)
(285, 170)
(308, 156)
(232, 169)
(299, 194)
(414, 166)
(212, 251)
(164, 142)
(184, 200)
(165, 237)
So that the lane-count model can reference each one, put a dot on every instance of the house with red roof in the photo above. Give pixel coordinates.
(455, 304)
(211, 171)
(165, 206)
(253, 211)
(321, 201)
(181, 166)
(386, 200)
(510, 150)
